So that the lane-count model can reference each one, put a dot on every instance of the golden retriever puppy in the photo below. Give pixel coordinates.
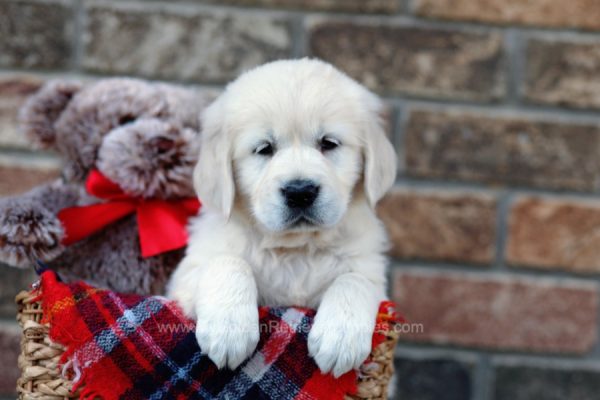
(293, 160)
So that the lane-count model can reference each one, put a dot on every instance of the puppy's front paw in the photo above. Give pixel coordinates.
(339, 342)
(228, 336)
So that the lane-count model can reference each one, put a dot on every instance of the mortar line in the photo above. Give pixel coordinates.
(463, 353)
(482, 378)
(502, 217)
(485, 271)
(78, 39)
(425, 183)
(24, 153)
(406, 7)
(515, 59)
(541, 112)
(299, 43)
(397, 137)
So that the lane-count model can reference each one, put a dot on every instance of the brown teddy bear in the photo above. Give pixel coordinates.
(126, 143)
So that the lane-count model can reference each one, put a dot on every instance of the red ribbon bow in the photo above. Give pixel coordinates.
(161, 223)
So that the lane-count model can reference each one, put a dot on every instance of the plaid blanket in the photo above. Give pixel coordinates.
(121, 346)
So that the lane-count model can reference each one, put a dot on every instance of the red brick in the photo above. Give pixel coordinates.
(516, 379)
(14, 89)
(19, 178)
(583, 14)
(12, 281)
(563, 73)
(35, 34)
(504, 313)
(435, 225)
(206, 45)
(555, 234)
(10, 348)
(507, 149)
(411, 60)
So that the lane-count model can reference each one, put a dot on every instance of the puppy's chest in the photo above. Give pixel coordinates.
(295, 279)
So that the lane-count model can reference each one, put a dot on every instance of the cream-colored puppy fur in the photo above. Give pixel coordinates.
(279, 123)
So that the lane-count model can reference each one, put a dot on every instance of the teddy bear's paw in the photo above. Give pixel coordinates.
(339, 341)
(228, 336)
(28, 233)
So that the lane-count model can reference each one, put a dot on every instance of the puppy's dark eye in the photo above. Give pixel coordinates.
(125, 119)
(328, 143)
(265, 149)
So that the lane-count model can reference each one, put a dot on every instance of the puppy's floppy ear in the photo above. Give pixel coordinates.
(379, 154)
(213, 175)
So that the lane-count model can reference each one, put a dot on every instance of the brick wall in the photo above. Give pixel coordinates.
(495, 218)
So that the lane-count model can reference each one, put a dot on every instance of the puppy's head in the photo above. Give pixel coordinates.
(293, 143)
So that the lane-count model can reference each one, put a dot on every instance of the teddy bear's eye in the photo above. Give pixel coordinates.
(265, 149)
(328, 143)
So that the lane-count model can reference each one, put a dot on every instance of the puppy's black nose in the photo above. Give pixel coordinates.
(300, 193)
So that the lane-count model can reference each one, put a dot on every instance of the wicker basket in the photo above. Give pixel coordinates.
(41, 377)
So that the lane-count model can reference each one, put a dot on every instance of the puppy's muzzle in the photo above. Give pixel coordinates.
(300, 194)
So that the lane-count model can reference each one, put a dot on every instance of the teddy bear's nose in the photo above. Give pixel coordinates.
(162, 144)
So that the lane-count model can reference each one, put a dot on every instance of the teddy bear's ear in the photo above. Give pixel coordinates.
(39, 113)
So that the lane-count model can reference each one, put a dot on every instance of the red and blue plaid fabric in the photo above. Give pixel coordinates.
(131, 347)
